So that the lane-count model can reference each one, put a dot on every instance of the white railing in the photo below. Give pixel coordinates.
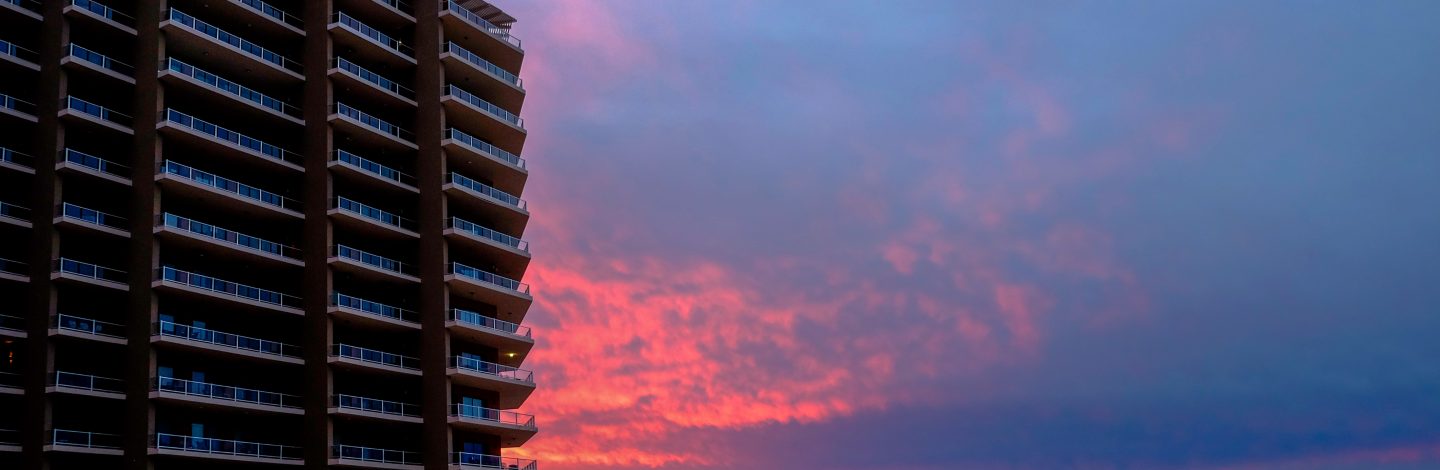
(463, 411)
(473, 460)
(227, 185)
(96, 163)
(382, 39)
(227, 288)
(476, 319)
(489, 233)
(229, 340)
(370, 454)
(487, 190)
(376, 405)
(482, 64)
(350, 205)
(84, 214)
(476, 101)
(491, 368)
(89, 271)
(226, 447)
(250, 48)
(104, 12)
(373, 168)
(375, 357)
(90, 440)
(474, 19)
(232, 137)
(101, 60)
(373, 260)
(489, 278)
(224, 392)
(373, 122)
(87, 325)
(375, 308)
(229, 237)
(484, 147)
(71, 380)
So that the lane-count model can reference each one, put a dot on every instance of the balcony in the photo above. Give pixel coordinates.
(507, 168)
(84, 384)
(197, 38)
(344, 355)
(17, 55)
(191, 231)
(205, 394)
(498, 85)
(349, 163)
(71, 215)
(86, 164)
(10, 384)
(495, 462)
(14, 215)
(177, 72)
(86, 273)
(370, 130)
(96, 12)
(372, 313)
(371, 220)
(184, 126)
(12, 327)
(210, 341)
(366, 457)
(221, 449)
(371, 408)
(85, 111)
(14, 270)
(505, 211)
(357, 79)
(30, 8)
(512, 341)
(178, 281)
(96, 62)
(451, 11)
(82, 442)
(491, 120)
(513, 428)
(215, 189)
(9, 438)
(510, 254)
(273, 20)
(14, 160)
(514, 385)
(510, 297)
(17, 108)
(395, 13)
(87, 328)
(370, 266)
(351, 33)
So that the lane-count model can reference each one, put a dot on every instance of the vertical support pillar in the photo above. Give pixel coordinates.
(429, 175)
(317, 235)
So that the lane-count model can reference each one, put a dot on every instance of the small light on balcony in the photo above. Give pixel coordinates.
(510, 354)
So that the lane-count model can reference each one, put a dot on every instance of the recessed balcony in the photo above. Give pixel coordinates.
(513, 428)
(10, 52)
(30, 8)
(512, 341)
(14, 270)
(368, 41)
(182, 282)
(88, 10)
(87, 273)
(71, 215)
(86, 164)
(505, 128)
(86, 59)
(202, 394)
(370, 130)
(222, 449)
(204, 340)
(13, 160)
(85, 111)
(209, 187)
(506, 212)
(359, 80)
(514, 385)
(496, 84)
(176, 72)
(358, 358)
(367, 170)
(184, 126)
(12, 327)
(463, 460)
(369, 457)
(372, 313)
(18, 108)
(510, 254)
(14, 215)
(87, 328)
(271, 19)
(85, 384)
(82, 442)
(181, 229)
(370, 266)
(372, 221)
(197, 38)
(371, 408)
(510, 297)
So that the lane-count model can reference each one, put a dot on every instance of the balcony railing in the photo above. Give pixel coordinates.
(374, 214)
(223, 392)
(12, 211)
(229, 340)
(484, 146)
(15, 104)
(512, 418)
(100, 60)
(89, 271)
(373, 78)
(483, 232)
(244, 45)
(349, 22)
(373, 260)
(473, 460)
(12, 50)
(230, 237)
(462, 95)
(368, 454)
(226, 447)
(101, 112)
(230, 87)
(92, 440)
(374, 122)
(17, 158)
(87, 326)
(373, 168)
(376, 308)
(473, 59)
(96, 163)
(502, 34)
(240, 140)
(13, 267)
(491, 368)
(71, 211)
(270, 11)
(105, 12)
(376, 405)
(228, 288)
(489, 278)
(397, 5)
(8, 322)
(92, 383)
(229, 186)
(31, 5)
(475, 319)
(482, 188)
(374, 357)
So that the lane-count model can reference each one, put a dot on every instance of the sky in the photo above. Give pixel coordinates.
(936, 234)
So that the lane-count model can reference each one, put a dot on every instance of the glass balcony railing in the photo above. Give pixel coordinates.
(74, 212)
(99, 59)
(374, 214)
(13, 50)
(374, 357)
(104, 12)
(229, 340)
(373, 78)
(487, 190)
(462, 95)
(487, 233)
(18, 105)
(8, 322)
(376, 406)
(512, 418)
(367, 166)
(91, 440)
(223, 392)
(369, 454)
(489, 278)
(483, 146)
(87, 326)
(11, 211)
(96, 163)
(374, 122)
(237, 42)
(396, 5)
(227, 135)
(502, 34)
(375, 308)
(226, 447)
(276, 13)
(13, 267)
(231, 88)
(373, 260)
(483, 64)
(105, 114)
(473, 460)
(71, 380)
(349, 22)
(89, 271)
(475, 319)
(229, 237)
(227, 288)
(229, 186)
(491, 368)
(31, 5)
(16, 158)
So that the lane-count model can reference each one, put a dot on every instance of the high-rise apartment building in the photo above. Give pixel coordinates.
(244, 233)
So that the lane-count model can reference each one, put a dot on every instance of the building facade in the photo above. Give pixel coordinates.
(240, 234)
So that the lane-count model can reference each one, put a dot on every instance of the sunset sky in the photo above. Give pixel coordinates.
(904, 235)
